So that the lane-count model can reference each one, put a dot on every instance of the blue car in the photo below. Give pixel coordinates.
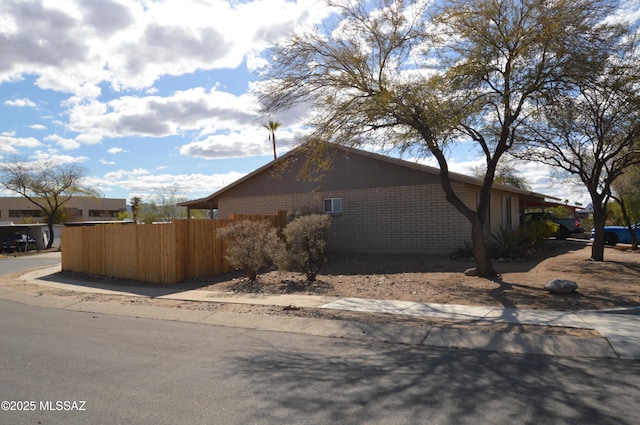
(618, 234)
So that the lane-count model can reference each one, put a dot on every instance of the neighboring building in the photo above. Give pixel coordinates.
(18, 216)
(378, 203)
(78, 208)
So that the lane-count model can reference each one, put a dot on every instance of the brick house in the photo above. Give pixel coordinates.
(377, 203)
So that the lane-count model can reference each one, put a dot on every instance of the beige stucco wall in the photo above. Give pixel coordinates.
(90, 207)
(500, 213)
(414, 218)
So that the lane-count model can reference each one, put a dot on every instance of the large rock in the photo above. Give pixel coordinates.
(559, 286)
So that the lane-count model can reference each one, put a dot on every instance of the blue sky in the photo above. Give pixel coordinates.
(152, 96)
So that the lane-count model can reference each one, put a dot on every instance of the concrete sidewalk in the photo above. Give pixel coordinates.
(619, 329)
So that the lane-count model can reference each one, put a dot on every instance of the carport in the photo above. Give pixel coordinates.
(37, 231)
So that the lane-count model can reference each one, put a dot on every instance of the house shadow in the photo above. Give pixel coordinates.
(371, 263)
(116, 286)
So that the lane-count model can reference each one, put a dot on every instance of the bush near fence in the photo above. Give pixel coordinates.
(157, 253)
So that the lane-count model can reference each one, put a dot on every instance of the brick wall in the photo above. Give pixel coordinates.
(414, 218)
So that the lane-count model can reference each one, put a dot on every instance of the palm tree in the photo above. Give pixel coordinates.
(136, 205)
(272, 127)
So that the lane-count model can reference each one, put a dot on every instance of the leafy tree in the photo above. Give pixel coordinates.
(65, 214)
(538, 231)
(272, 126)
(561, 212)
(124, 215)
(45, 184)
(149, 213)
(396, 73)
(592, 130)
(251, 245)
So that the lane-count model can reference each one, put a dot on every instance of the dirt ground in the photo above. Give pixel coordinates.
(601, 285)
(432, 279)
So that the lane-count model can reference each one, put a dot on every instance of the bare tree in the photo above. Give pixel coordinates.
(47, 185)
(396, 73)
(162, 206)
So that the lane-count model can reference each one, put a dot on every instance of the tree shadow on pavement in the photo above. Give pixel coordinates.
(383, 383)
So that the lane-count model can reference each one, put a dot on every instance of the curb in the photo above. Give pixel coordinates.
(495, 341)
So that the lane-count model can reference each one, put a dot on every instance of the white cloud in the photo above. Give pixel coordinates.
(52, 156)
(9, 143)
(41, 159)
(142, 183)
(44, 38)
(79, 48)
(21, 103)
(63, 142)
(73, 45)
(124, 174)
(235, 145)
(545, 179)
(155, 116)
(114, 151)
(249, 141)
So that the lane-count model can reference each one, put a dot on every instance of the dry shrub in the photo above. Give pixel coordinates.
(252, 246)
(306, 239)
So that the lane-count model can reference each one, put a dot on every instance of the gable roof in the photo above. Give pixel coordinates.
(211, 201)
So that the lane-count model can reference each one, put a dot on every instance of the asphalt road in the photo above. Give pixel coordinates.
(122, 370)
(22, 263)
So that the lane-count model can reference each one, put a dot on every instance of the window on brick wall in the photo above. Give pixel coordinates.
(332, 205)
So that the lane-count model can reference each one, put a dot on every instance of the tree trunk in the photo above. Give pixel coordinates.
(51, 235)
(599, 218)
(273, 141)
(628, 223)
(484, 265)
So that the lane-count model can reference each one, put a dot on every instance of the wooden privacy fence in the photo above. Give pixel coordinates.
(159, 253)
